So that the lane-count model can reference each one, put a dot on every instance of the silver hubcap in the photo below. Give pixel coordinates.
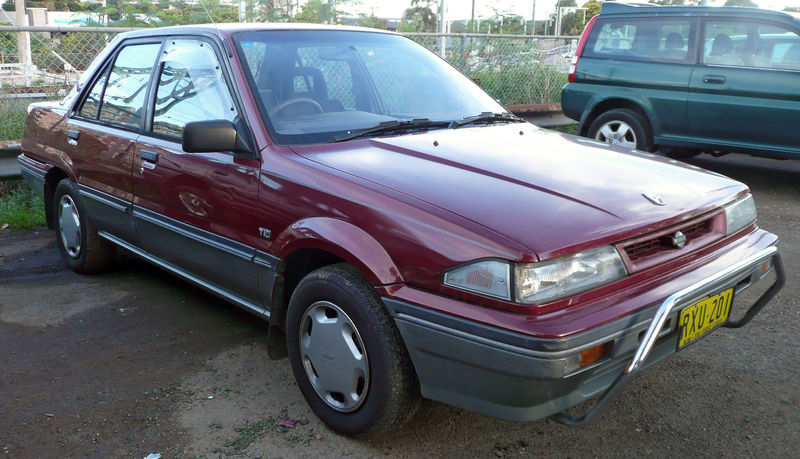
(334, 356)
(617, 133)
(69, 226)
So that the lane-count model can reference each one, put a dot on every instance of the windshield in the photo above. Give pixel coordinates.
(318, 86)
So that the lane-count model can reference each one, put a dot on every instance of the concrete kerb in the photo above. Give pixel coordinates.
(9, 150)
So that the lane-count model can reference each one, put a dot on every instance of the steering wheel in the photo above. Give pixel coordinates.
(297, 100)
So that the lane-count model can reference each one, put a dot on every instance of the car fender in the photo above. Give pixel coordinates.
(345, 240)
(618, 98)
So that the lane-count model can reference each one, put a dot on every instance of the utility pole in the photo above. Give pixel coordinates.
(24, 41)
(442, 30)
(533, 18)
(472, 18)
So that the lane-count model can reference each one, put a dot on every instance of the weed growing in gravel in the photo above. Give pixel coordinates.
(19, 207)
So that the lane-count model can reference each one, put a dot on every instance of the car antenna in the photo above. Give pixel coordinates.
(202, 3)
(224, 42)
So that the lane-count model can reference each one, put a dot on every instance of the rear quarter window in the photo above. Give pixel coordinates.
(644, 39)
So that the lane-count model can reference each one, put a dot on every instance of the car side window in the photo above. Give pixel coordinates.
(191, 87)
(642, 39)
(123, 99)
(751, 44)
(91, 105)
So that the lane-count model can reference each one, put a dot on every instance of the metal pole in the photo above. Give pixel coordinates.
(472, 18)
(24, 40)
(533, 17)
(442, 30)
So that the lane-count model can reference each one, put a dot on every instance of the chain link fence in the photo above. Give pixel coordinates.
(514, 69)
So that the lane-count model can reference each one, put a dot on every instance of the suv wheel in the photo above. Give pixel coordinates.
(84, 251)
(622, 127)
(346, 354)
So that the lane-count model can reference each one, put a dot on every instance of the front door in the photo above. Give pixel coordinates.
(745, 92)
(196, 212)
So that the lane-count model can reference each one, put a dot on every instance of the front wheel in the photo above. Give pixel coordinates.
(622, 127)
(347, 356)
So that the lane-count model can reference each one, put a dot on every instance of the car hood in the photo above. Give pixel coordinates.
(551, 192)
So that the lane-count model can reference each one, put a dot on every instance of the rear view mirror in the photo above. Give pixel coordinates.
(213, 135)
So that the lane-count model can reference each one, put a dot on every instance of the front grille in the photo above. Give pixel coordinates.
(658, 247)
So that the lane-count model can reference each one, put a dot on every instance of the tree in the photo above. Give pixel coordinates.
(321, 11)
(792, 9)
(592, 8)
(276, 10)
(669, 2)
(419, 17)
(372, 21)
(749, 3)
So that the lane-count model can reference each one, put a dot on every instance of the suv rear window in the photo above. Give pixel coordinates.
(642, 39)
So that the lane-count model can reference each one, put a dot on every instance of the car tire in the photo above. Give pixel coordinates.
(336, 325)
(80, 245)
(622, 127)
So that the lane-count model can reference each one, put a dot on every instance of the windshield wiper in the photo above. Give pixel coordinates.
(487, 118)
(393, 126)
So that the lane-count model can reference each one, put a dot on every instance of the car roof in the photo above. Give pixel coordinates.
(227, 29)
(649, 9)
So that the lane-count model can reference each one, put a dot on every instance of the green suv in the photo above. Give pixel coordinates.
(685, 80)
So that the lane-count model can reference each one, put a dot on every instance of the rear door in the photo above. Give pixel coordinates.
(102, 134)
(744, 93)
(646, 60)
(196, 212)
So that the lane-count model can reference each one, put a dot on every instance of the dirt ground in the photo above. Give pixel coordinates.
(135, 361)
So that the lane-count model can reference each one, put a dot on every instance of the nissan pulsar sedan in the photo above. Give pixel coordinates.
(403, 233)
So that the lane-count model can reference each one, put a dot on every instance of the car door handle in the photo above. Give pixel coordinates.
(148, 155)
(73, 134)
(714, 79)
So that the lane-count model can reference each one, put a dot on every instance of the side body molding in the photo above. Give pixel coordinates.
(344, 240)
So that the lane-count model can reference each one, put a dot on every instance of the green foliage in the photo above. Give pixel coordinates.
(9, 5)
(372, 21)
(19, 207)
(669, 2)
(522, 83)
(748, 3)
(593, 8)
(321, 11)
(12, 125)
(420, 17)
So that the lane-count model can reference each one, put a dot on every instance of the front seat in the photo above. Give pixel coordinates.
(308, 82)
(721, 51)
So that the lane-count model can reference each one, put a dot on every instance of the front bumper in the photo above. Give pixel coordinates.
(520, 377)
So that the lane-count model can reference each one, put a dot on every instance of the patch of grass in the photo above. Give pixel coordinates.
(568, 129)
(11, 126)
(19, 208)
(249, 434)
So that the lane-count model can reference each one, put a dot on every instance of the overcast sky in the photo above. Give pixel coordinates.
(461, 9)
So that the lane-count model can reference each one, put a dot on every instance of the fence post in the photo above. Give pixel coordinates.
(461, 60)
(24, 40)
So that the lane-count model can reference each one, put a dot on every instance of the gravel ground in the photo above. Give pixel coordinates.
(135, 361)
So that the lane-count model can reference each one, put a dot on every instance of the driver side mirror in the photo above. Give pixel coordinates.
(214, 135)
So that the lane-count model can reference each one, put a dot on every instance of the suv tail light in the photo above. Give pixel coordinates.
(573, 65)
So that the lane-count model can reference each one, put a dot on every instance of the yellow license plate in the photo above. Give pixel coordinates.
(698, 319)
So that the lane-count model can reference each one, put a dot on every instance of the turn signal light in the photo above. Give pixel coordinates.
(592, 355)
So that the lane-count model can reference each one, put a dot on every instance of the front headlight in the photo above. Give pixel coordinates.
(565, 276)
(740, 213)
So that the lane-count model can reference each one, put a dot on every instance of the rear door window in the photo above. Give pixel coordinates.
(668, 40)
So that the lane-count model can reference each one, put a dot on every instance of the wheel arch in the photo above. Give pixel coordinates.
(602, 106)
(312, 243)
(51, 180)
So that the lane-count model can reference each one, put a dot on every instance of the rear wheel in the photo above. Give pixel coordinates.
(81, 247)
(347, 355)
(622, 127)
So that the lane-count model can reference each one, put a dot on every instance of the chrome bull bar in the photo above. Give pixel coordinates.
(728, 276)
